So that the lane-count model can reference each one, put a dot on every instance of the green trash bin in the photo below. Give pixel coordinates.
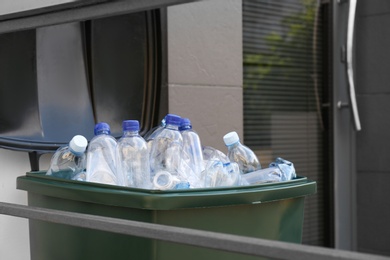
(271, 211)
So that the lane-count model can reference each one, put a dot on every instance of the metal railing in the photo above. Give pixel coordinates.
(218, 241)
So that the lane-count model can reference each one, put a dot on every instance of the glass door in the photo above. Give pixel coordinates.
(286, 97)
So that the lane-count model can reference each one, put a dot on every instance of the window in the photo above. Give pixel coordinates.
(284, 92)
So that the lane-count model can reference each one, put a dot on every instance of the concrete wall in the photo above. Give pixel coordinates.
(205, 67)
(205, 85)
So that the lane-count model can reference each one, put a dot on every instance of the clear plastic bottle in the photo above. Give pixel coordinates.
(68, 161)
(271, 174)
(213, 174)
(166, 149)
(151, 134)
(286, 167)
(101, 157)
(192, 148)
(233, 175)
(210, 154)
(132, 156)
(218, 174)
(241, 154)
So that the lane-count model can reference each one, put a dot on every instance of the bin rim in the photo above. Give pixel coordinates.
(38, 182)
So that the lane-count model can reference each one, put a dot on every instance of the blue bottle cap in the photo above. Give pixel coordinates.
(172, 119)
(102, 128)
(130, 125)
(185, 124)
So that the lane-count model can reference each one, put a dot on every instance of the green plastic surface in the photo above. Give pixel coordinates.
(271, 211)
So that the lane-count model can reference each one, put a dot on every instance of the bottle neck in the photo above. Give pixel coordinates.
(103, 133)
(74, 152)
(173, 127)
(230, 146)
(130, 133)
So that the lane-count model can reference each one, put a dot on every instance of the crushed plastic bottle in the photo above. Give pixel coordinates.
(69, 161)
(271, 174)
(192, 148)
(101, 157)
(241, 154)
(212, 154)
(286, 167)
(132, 156)
(218, 174)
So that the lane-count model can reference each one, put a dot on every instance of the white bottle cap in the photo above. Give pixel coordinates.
(78, 144)
(231, 138)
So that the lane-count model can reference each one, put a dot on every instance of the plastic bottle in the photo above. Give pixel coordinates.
(213, 174)
(151, 134)
(192, 148)
(241, 154)
(101, 157)
(132, 156)
(286, 167)
(218, 174)
(210, 154)
(271, 174)
(233, 174)
(166, 149)
(68, 161)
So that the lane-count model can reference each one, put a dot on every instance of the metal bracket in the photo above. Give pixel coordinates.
(34, 160)
(341, 105)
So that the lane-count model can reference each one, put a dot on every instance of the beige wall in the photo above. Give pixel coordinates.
(205, 67)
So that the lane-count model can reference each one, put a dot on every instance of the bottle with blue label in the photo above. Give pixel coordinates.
(69, 161)
(101, 157)
(132, 156)
(241, 154)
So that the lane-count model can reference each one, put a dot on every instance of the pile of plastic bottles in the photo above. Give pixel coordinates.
(170, 156)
